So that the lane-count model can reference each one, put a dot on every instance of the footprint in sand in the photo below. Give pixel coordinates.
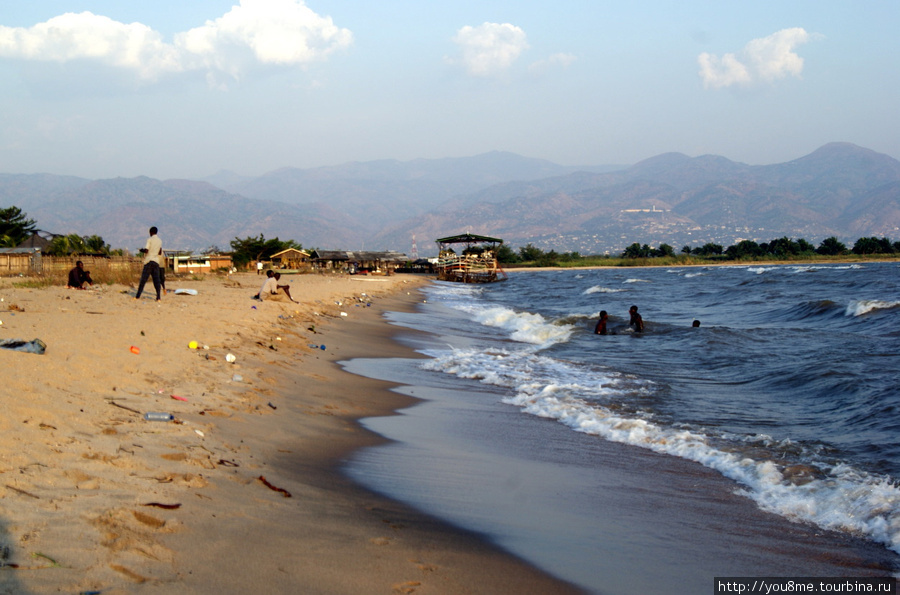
(129, 573)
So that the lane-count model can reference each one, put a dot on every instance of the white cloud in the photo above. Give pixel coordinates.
(86, 36)
(257, 32)
(283, 32)
(490, 48)
(762, 60)
(559, 60)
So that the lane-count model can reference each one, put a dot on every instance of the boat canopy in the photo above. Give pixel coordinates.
(477, 263)
(468, 238)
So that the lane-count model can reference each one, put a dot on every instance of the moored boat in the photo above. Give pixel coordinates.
(475, 263)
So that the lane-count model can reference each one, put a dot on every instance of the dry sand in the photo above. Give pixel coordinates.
(240, 493)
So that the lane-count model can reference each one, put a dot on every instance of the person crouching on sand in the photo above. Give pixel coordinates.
(78, 277)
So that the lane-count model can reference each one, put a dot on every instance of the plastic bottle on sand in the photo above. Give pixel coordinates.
(158, 416)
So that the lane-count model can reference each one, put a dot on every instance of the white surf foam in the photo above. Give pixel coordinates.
(599, 289)
(524, 327)
(860, 307)
(844, 499)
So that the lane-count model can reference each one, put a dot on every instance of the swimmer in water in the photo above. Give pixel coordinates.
(636, 320)
(600, 329)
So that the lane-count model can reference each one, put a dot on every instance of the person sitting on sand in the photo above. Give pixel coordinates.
(600, 329)
(637, 320)
(270, 288)
(285, 288)
(78, 277)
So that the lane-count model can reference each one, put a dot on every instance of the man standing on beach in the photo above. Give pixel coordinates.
(153, 256)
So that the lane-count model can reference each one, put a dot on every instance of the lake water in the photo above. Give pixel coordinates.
(786, 395)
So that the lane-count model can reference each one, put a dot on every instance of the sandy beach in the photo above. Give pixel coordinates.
(240, 492)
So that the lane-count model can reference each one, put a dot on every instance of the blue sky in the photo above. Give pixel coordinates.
(185, 89)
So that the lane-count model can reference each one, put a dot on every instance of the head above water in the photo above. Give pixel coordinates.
(632, 309)
(603, 314)
(695, 324)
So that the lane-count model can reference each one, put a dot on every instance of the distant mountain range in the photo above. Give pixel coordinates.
(838, 190)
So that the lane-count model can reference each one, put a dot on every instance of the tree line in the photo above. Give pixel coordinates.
(780, 248)
(783, 247)
(247, 250)
(533, 254)
(16, 227)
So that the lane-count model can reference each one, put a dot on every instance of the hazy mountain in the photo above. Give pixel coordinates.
(840, 189)
(372, 195)
(226, 179)
(14, 186)
(190, 215)
(447, 177)
(876, 213)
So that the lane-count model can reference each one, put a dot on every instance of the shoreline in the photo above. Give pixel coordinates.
(102, 500)
(599, 521)
(735, 263)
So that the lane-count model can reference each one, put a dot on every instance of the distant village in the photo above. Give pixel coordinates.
(26, 250)
(31, 257)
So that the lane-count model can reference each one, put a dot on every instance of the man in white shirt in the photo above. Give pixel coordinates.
(270, 288)
(153, 256)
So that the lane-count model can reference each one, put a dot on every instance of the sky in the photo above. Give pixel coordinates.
(185, 89)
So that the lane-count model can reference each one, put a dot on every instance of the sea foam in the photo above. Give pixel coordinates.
(600, 289)
(860, 307)
(523, 327)
(844, 498)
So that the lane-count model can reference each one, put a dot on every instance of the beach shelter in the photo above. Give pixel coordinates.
(290, 259)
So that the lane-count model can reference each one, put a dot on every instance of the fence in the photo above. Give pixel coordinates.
(20, 263)
(35, 265)
(100, 267)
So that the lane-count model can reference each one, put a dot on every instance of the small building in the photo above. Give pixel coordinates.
(378, 262)
(182, 261)
(21, 261)
(359, 261)
(420, 265)
(329, 259)
(290, 259)
(39, 239)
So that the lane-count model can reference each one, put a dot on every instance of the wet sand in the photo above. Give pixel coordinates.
(241, 493)
(613, 518)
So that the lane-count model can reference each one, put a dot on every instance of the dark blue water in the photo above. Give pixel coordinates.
(789, 387)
